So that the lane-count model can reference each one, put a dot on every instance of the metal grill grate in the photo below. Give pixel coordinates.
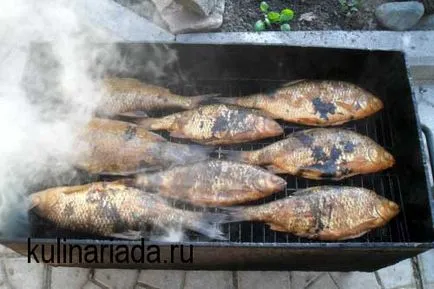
(386, 183)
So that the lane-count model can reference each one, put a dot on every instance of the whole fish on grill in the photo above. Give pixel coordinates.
(321, 153)
(329, 213)
(119, 148)
(212, 183)
(216, 124)
(313, 102)
(127, 95)
(115, 210)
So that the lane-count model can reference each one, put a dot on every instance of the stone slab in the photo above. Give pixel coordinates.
(263, 279)
(426, 264)
(355, 280)
(76, 278)
(120, 21)
(398, 275)
(208, 279)
(21, 274)
(167, 279)
(116, 279)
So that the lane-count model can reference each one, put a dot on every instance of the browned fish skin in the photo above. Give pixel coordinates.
(322, 154)
(213, 183)
(122, 95)
(115, 147)
(106, 209)
(314, 102)
(325, 213)
(216, 124)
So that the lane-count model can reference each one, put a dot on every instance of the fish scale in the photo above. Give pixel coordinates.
(113, 209)
(212, 183)
(325, 213)
(313, 102)
(321, 154)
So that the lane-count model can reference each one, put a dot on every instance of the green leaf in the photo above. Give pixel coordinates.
(267, 22)
(286, 15)
(285, 27)
(259, 26)
(274, 17)
(264, 6)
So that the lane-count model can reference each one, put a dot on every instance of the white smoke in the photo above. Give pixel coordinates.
(39, 119)
(38, 130)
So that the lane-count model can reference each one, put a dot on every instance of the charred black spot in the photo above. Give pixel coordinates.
(69, 209)
(305, 139)
(318, 154)
(234, 120)
(130, 133)
(349, 147)
(335, 153)
(323, 108)
(201, 125)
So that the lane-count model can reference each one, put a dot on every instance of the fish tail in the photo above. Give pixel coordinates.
(207, 224)
(183, 154)
(227, 100)
(240, 214)
(154, 123)
(242, 156)
(205, 99)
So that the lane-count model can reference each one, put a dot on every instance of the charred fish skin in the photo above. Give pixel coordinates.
(314, 102)
(114, 147)
(329, 213)
(213, 183)
(321, 153)
(113, 209)
(122, 95)
(217, 124)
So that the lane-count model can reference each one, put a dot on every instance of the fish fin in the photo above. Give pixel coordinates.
(276, 170)
(205, 99)
(208, 224)
(316, 173)
(237, 156)
(234, 214)
(178, 134)
(302, 192)
(278, 228)
(133, 114)
(131, 173)
(128, 235)
(226, 100)
(286, 84)
(188, 154)
(353, 236)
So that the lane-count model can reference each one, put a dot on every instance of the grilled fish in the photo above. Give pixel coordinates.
(313, 102)
(326, 213)
(216, 124)
(123, 95)
(213, 183)
(114, 147)
(112, 209)
(321, 153)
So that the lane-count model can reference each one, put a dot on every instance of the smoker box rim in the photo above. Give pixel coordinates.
(226, 244)
(212, 42)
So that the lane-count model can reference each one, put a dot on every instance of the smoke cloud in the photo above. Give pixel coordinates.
(42, 106)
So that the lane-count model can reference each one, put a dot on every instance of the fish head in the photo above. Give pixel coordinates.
(269, 183)
(378, 157)
(366, 101)
(267, 127)
(44, 200)
(386, 209)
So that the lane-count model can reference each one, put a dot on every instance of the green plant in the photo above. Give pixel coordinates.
(349, 6)
(273, 18)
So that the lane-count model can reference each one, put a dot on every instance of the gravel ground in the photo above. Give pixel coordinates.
(240, 15)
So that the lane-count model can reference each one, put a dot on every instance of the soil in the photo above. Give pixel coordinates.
(240, 15)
